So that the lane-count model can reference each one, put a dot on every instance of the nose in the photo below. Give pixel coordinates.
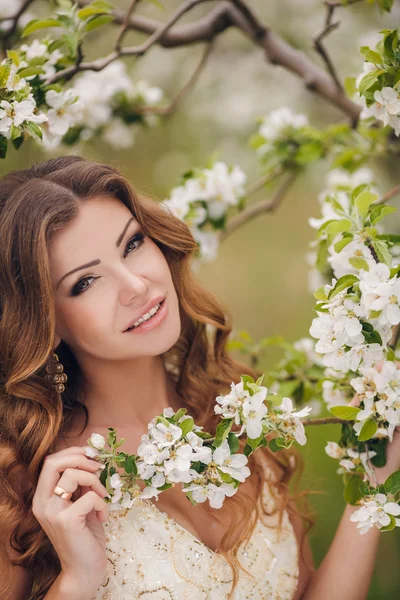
(132, 285)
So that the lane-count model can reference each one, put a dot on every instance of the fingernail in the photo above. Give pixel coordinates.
(101, 466)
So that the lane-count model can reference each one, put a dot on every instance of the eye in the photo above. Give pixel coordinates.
(136, 241)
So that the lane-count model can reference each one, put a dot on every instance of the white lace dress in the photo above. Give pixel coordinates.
(152, 557)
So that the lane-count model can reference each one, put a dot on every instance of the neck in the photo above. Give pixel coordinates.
(120, 395)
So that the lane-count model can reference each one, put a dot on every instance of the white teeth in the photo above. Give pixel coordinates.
(146, 316)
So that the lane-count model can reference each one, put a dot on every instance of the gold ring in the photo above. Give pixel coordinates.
(62, 493)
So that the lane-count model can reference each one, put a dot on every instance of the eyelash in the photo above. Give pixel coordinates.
(138, 237)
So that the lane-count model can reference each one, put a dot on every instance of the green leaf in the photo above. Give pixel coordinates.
(31, 71)
(17, 142)
(368, 430)
(367, 81)
(322, 255)
(363, 201)
(112, 436)
(386, 4)
(380, 211)
(347, 413)
(179, 413)
(186, 425)
(350, 86)
(4, 75)
(391, 525)
(233, 442)
(338, 247)
(90, 11)
(130, 465)
(14, 56)
(222, 431)
(352, 492)
(338, 226)
(359, 263)
(371, 55)
(3, 146)
(382, 252)
(392, 483)
(166, 486)
(343, 283)
(390, 44)
(98, 22)
(320, 294)
(36, 24)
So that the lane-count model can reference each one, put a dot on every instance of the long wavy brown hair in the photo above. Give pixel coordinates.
(35, 203)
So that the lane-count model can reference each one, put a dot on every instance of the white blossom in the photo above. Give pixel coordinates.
(253, 412)
(215, 494)
(386, 108)
(375, 511)
(17, 113)
(65, 110)
(334, 450)
(232, 464)
(279, 124)
(289, 420)
(165, 436)
(355, 249)
(118, 134)
(98, 441)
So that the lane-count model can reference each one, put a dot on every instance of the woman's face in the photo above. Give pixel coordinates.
(94, 305)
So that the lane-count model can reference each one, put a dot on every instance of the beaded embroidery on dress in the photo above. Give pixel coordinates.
(152, 557)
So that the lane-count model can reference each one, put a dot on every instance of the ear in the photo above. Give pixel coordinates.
(57, 341)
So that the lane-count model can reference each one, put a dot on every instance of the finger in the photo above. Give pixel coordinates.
(54, 465)
(71, 479)
(85, 504)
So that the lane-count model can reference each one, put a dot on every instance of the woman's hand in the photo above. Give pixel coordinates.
(393, 447)
(74, 528)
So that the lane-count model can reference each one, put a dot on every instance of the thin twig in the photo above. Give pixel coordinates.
(389, 195)
(319, 47)
(369, 463)
(395, 337)
(100, 64)
(167, 110)
(339, 4)
(259, 208)
(222, 17)
(125, 24)
(14, 18)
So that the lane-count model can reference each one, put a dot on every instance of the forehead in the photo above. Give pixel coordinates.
(99, 222)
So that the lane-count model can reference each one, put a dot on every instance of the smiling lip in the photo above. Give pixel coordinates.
(153, 322)
(145, 310)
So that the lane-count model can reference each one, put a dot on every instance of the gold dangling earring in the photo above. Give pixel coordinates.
(59, 378)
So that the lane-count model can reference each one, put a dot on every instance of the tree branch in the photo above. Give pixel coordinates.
(259, 208)
(14, 18)
(236, 14)
(167, 110)
(319, 47)
(100, 64)
(389, 195)
(125, 24)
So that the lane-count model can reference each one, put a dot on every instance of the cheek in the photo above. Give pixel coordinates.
(80, 320)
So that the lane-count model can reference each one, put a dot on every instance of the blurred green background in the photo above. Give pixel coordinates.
(261, 272)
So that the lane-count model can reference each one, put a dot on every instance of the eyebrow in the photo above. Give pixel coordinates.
(97, 261)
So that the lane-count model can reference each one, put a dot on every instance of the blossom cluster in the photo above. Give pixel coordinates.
(175, 450)
(107, 104)
(203, 201)
(377, 85)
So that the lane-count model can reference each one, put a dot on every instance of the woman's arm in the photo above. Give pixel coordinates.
(346, 571)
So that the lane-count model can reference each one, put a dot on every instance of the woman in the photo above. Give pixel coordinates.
(83, 258)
